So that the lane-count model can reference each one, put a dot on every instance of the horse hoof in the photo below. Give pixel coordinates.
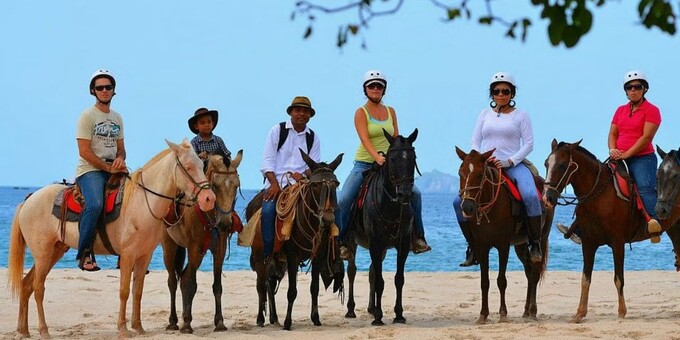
(481, 320)
(187, 330)
(172, 328)
(350, 315)
(399, 320)
(377, 323)
(503, 319)
(576, 319)
(220, 328)
(286, 326)
(317, 323)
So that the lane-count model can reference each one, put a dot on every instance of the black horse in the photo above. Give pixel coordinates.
(310, 239)
(383, 221)
(668, 202)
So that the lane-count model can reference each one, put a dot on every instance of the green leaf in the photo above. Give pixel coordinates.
(571, 36)
(353, 28)
(308, 32)
(453, 13)
(485, 20)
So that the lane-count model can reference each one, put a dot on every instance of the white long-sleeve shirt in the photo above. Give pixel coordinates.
(511, 134)
(288, 158)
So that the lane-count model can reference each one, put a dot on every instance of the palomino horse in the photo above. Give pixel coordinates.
(668, 202)
(310, 239)
(604, 218)
(134, 235)
(197, 232)
(384, 221)
(488, 207)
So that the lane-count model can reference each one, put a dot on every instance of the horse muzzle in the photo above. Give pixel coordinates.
(206, 199)
(469, 208)
(663, 209)
(550, 197)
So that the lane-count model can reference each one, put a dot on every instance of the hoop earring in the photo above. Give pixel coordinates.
(512, 103)
(493, 104)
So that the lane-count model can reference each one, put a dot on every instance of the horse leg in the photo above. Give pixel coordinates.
(40, 270)
(140, 266)
(502, 281)
(171, 256)
(402, 254)
(271, 291)
(377, 256)
(314, 290)
(619, 253)
(483, 259)
(588, 262)
(126, 264)
(261, 286)
(24, 296)
(532, 273)
(188, 286)
(371, 289)
(351, 275)
(292, 291)
(218, 260)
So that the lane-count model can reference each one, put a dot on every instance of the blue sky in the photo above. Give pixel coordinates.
(247, 59)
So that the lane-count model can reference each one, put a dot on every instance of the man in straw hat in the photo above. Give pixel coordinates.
(202, 123)
(283, 165)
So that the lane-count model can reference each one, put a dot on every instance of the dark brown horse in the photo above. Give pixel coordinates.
(603, 218)
(668, 189)
(197, 232)
(310, 239)
(385, 221)
(487, 204)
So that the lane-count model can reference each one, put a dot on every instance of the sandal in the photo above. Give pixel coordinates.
(85, 263)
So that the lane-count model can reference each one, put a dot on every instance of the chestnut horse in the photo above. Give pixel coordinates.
(198, 232)
(603, 218)
(134, 235)
(310, 239)
(385, 221)
(488, 203)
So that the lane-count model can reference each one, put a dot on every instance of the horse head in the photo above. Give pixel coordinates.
(400, 164)
(191, 180)
(473, 176)
(560, 167)
(667, 182)
(224, 180)
(323, 185)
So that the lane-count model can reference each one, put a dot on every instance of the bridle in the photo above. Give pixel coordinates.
(395, 179)
(566, 179)
(483, 208)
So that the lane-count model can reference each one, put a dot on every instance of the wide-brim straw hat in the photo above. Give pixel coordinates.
(200, 113)
(301, 101)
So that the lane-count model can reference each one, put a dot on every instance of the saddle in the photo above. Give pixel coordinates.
(68, 205)
(625, 186)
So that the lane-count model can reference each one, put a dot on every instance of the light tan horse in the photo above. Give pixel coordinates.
(134, 235)
(193, 237)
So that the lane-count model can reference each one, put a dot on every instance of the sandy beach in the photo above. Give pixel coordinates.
(436, 305)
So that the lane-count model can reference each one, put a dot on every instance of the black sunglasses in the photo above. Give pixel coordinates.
(104, 87)
(496, 92)
(374, 86)
(634, 86)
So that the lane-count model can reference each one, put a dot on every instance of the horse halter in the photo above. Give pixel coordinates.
(198, 186)
(483, 208)
(396, 180)
(566, 179)
(329, 182)
(217, 211)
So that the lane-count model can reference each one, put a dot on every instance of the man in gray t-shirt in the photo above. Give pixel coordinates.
(102, 152)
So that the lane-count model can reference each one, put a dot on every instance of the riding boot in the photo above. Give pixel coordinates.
(274, 267)
(470, 259)
(418, 243)
(534, 233)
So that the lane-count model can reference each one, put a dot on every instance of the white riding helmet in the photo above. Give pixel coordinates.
(374, 76)
(502, 77)
(101, 73)
(635, 75)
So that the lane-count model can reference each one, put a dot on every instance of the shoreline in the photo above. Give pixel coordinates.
(436, 306)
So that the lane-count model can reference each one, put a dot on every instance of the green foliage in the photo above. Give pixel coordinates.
(568, 20)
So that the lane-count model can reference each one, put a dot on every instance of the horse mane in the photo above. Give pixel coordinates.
(132, 183)
(582, 149)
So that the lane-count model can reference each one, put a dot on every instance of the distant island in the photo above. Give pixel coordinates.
(437, 182)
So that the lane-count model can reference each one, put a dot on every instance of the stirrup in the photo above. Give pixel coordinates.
(564, 229)
(470, 259)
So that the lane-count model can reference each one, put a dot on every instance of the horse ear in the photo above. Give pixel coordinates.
(553, 145)
(412, 137)
(461, 154)
(172, 146)
(310, 163)
(579, 142)
(389, 137)
(661, 153)
(334, 164)
(488, 154)
(237, 160)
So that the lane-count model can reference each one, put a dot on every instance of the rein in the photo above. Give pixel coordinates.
(484, 208)
(566, 179)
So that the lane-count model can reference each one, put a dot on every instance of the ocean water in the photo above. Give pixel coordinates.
(442, 232)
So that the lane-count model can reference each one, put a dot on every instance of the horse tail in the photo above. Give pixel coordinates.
(17, 252)
(180, 255)
(545, 244)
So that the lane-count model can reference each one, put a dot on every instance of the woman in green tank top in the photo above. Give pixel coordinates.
(369, 121)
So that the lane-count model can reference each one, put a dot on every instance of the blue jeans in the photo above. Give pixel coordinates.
(526, 186)
(268, 221)
(350, 191)
(643, 170)
(92, 186)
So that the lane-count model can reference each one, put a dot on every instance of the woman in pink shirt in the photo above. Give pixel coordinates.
(630, 137)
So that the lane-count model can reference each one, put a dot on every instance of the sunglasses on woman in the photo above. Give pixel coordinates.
(103, 87)
(634, 86)
(497, 92)
(374, 86)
